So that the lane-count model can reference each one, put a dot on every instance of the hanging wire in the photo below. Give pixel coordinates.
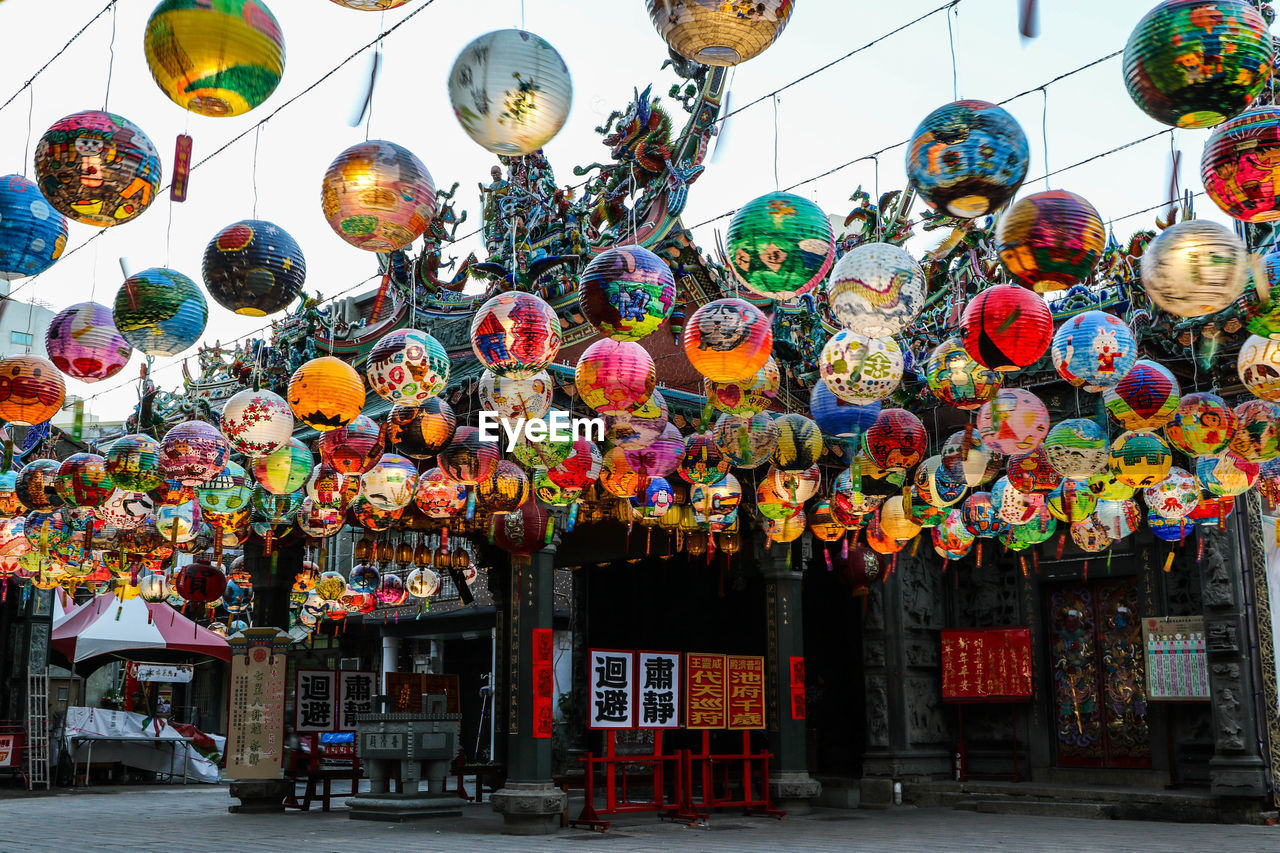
(111, 63)
(31, 108)
(1044, 134)
(373, 77)
(951, 40)
(61, 50)
(257, 137)
(775, 143)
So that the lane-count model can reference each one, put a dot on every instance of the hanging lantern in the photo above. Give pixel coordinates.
(896, 441)
(860, 370)
(1227, 474)
(378, 196)
(1011, 505)
(779, 530)
(1258, 365)
(368, 516)
(179, 523)
(967, 158)
(580, 468)
(438, 496)
(406, 367)
(823, 525)
(1146, 398)
(256, 423)
(615, 376)
(1194, 268)
(505, 489)
(420, 432)
(1014, 422)
(215, 57)
(876, 290)
(1077, 447)
(780, 246)
(951, 539)
(1050, 240)
(746, 442)
(1169, 529)
(718, 503)
(966, 459)
(254, 268)
(83, 343)
(523, 530)
(626, 292)
(981, 517)
(956, 379)
(799, 443)
(1203, 424)
(796, 487)
(82, 480)
(728, 339)
(745, 397)
(551, 493)
(97, 168)
(1257, 437)
(1260, 304)
(1139, 459)
(133, 463)
(639, 428)
(1032, 472)
(510, 91)
(32, 234)
(837, 418)
(616, 476)
(656, 499)
(422, 583)
(193, 452)
(1107, 487)
(1006, 327)
(171, 493)
(371, 5)
(326, 393)
(517, 399)
(936, 485)
(391, 590)
(703, 461)
(200, 583)
(515, 334)
(160, 311)
(660, 457)
(31, 390)
(715, 33)
(284, 471)
(1117, 518)
(1238, 166)
(1094, 350)
(326, 487)
(317, 521)
(1071, 500)
(351, 449)
(1194, 63)
(389, 484)
(1175, 496)
(466, 458)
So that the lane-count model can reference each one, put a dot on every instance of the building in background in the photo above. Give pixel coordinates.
(22, 324)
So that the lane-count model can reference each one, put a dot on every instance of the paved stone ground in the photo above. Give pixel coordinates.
(196, 819)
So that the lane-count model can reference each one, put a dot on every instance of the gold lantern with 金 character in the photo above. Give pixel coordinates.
(714, 32)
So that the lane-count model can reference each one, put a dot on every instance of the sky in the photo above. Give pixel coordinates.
(867, 102)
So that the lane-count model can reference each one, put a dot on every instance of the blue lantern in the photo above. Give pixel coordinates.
(32, 234)
(1094, 349)
(838, 418)
(1169, 529)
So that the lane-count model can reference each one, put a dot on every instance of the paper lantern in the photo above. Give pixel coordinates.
(660, 457)
(133, 463)
(966, 459)
(796, 487)
(516, 334)
(1094, 350)
(981, 517)
(389, 484)
(728, 339)
(895, 521)
(200, 583)
(368, 516)
(371, 5)
(1146, 398)
(326, 393)
(422, 583)
(31, 390)
(703, 461)
(1039, 528)
(716, 33)
(745, 397)
(439, 496)
(229, 491)
(1089, 535)
(876, 290)
(616, 476)
(823, 525)
(1257, 437)
(32, 234)
(1050, 240)
(1169, 529)
(83, 343)
(523, 530)
(967, 158)
(626, 292)
(1203, 424)
(1139, 459)
(510, 91)
(378, 196)
(615, 376)
(1014, 422)
(285, 470)
(215, 57)
(781, 245)
(1258, 365)
(466, 458)
(799, 443)
(1107, 487)
(896, 441)
(419, 432)
(406, 367)
(936, 485)
(254, 268)
(256, 423)
(1175, 496)
(837, 418)
(193, 452)
(1260, 304)
(160, 312)
(82, 480)
(1194, 268)
(1077, 447)
(1194, 63)
(951, 539)
(547, 451)
(1239, 168)
(517, 399)
(326, 487)
(97, 168)
(351, 449)
(1032, 472)
(715, 503)
(580, 468)
(1118, 518)
(1212, 511)
(746, 442)
(318, 522)
(860, 370)
(180, 523)
(1071, 500)
(638, 428)
(1011, 505)
(956, 379)
(1006, 327)
(772, 503)
(505, 489)
(1227, 474)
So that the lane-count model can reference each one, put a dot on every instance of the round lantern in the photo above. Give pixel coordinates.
(228, 492)
(1257, 437)
(746, 442)
(1194, 63)
(1050, 240)
(351, 449)
(256, 423)
(936, 485)
(1169, 529)
(1203, 424)
(83, 343)
(876, 290)
(1175, 496)
(326, 487)
(638, 428)
(1118, 518)
(968, 158)
(660, 457)
(378, 196)
(703, 461)
(133, 463)
(796, 487)
(32, 234)
(951, 539)
(1094, 349)
(967, 460)
(97, 168)
(780, 246)
(1071, 500)
(895, 521)
(391, 590)
(1258, 365)
(82, 480)
(713, 504)
(418, 432)
(1012, 506)
(1107, 487)
(728, 339)
(1227, 474)
(516, 334)
(956, 379)
(1261, 302)
(422, 583)
(193, 452)
(10, 504)
(1146, 398)
(371, 5)
(1090, 535)
(517, 399)
(1077, 447)
(126, 510)
(31, 390)
(253, 267)
(981, 516)
(179, 524)
(860, 370)
(580, 468)
(837, 418)
(1194, 268)
(523, 530)
(1006, 327)
(1211, 511)
(715, 33)
(799, 443)
(823, 524)
(1139, 459)
(1014, 422)
(468, 459)
(160, 311)
(439, 496)
(407, 366)
(615, 376)
(510, 91)
(616, 476)
(200, 583)
(626, 292)
(326, 393)
(505, 489)
(284, 471)
(1032, 472)
(896, 441)
(547, 451)
(1238, 165)
(773, 503)
(389, 484)
(217, 57)
(745, 397)
(368, 516)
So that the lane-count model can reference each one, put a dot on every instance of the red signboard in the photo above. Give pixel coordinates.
(11, 749)
(543, 682)
(745, 682)
(181, 168)
(705, 692)
(986, 664)
(797, 689)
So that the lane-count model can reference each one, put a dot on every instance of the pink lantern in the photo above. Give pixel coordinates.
(193, 453)
(1014, 422)
(83, 343)
(615, 376)
(659, 458)
(351, 449)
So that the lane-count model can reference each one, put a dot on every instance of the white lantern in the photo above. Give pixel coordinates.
(389, 484)
(257, 423)
(1195, 268)
(876, 290)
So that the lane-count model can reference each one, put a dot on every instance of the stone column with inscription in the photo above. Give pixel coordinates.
(528, 802)
(790, 784)
(1237, 768)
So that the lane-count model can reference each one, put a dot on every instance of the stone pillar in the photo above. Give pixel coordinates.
(529, 803)
(390, 659)
(1237, 768)
(790, 784)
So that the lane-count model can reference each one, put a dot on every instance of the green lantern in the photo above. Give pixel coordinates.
(780, 245)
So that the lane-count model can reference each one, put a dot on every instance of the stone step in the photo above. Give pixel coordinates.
(1043, 808)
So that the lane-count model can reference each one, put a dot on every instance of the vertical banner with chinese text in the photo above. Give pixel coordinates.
(797, 688)
(658, 683)
(255, 729)
(544, 686)
(611, 689)
(314, 695)
(704, 691)
(355, 696)
(744, 680)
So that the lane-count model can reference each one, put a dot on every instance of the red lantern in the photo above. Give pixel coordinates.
(351, 449)
(862, 570)
(523, 530)
(201, 583)
(1032, 472)
(1006, 327)
(897, 440)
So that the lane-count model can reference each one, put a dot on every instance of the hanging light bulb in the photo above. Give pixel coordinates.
(422, 553)
(386, 550)
(730, 542)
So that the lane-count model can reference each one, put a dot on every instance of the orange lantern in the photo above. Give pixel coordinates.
(728, 340)
(31, 389)
(326, 393)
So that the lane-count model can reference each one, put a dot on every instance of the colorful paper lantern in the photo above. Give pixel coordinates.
(32, 234)
(227, 492)
(728, 339)
(1011, 505)
(956, 379)
(285, 470)
(351, 449)
(715, 33)
(318, 522)
(1238, 165)
(1258, 365)
(1260, 304)
(256, 423)
(1227, 474)
(981, 517)
(1194, 63)
(745, 397)
(796, 487)
(82, 480)
(215, 57)
(823, 525)
(254, 268)
(200, 583)
(626, 292)
(968, 158)
(615, 376)
(180, 523)
(1118, 518)
(1169, 529)
(326, 393)
(160, 311)
(936, 485)
(1195, 267)
(896, 441)
(389, 484)
(616, 476)
(368, 516)
(510, 91)
(422, 583)
(860, 370)
(746, 442)
(1077, 447)
(773, 503)
(1203, 424)
(799, 443)
(378, 196)
(951, 539)
(522, 531)
(439, 496)
(837, 418)
(193, 452)
(1094, 350)
(1006, 327)
(876, 290)
(1175, 496)
(326, 487)
(638, 428)
(514, 399)
(1014, 422)
(580, 468)
(516, 334)
(1107, 487)
(133, 463)
(418, 432)
(1089, 535)
(1050, 240)
(1071, 500)
(716, 503)
(1139, 459)
(406, 367)
(1146, 398)
(1257, 437)
(1032, 472)
(780, 246)
(83, 343)
(97, 168)
(966, 459)
(703, 461)
(31, 390)
(544, 452)
(466, 458)
(505, 489)
(660, 457)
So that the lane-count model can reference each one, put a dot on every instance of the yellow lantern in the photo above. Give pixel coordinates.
(717, 33)
(326, 393)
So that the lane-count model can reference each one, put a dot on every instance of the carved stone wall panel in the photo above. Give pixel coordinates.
(923, 652)
(877, 711)
(873, 653)
(926, 724)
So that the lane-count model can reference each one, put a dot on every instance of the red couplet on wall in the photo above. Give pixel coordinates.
(797, 689)
(543, 682)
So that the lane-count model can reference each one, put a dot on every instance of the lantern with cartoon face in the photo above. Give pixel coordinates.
(1094, 350)
(1014, 422)
(31, 390)
(97, 168)
(1175, 496)
(896, 441)
(1139, 459)
(780, 246)
(1257, 436)
(728, 339)
(326, 393)
(1203, 424)
(956, 379)
(1258, 365)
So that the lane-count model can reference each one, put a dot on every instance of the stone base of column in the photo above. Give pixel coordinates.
(794, 792)
(1237, 777)
(910, 764)
(530, 808)
(399, 808)
(259, 796)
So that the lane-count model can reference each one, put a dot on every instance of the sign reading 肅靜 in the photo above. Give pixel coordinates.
(658, 689)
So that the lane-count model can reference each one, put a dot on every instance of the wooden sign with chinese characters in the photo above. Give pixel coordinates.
(658, 682)
(986, 665)
(356, 688)
(315, 691)
(255, 731)
(705, 706)
(1177, 662)
(744, 682)
(612, 690)
(544, 686)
